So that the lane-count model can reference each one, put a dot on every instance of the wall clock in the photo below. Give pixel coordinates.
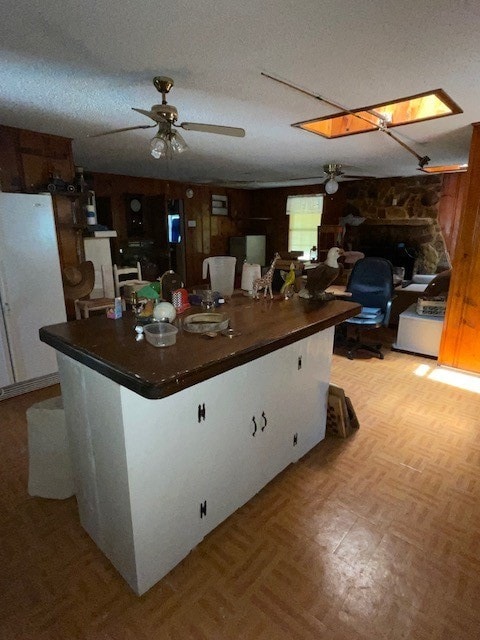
(135, 204)
(134, 210)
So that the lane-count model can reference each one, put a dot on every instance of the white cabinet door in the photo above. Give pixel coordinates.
(219, 482)
(164, 459)
(311, 363)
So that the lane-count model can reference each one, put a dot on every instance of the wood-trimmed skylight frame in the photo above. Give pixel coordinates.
(420, 107)
(446, 168)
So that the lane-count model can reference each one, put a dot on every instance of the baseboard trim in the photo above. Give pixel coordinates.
(20, 388)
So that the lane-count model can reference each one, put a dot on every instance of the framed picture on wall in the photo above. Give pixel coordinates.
(219, 205)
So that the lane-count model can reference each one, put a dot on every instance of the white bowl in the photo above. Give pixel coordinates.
(160, 334)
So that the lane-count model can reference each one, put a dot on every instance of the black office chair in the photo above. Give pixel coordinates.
(371, 285)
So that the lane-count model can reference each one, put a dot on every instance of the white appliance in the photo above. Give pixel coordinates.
(248, 249)
(97, 249)
(31, 292)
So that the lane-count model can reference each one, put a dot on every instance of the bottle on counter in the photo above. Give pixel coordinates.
(91, 212)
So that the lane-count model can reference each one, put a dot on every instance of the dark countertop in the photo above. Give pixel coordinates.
(109, 346)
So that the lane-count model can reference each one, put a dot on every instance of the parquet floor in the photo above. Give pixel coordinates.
(369, 538)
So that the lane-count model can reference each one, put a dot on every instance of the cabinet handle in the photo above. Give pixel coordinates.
(254, 426)
(265, 422)
(201, 412)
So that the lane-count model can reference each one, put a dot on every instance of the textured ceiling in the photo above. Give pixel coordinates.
(76, 68)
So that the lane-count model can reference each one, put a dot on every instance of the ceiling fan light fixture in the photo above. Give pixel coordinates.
(331, 186)
(158, 146)
(166, 144)
(177, 142)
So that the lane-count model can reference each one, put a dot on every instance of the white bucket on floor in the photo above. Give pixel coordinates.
(49, 467)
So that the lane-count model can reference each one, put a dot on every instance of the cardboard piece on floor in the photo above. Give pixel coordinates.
(341, 416)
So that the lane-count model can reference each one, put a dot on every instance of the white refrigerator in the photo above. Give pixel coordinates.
(31, 292)
(248, 249)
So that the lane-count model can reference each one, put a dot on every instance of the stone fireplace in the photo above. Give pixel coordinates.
(401, 222)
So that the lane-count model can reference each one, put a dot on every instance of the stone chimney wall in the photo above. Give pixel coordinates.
(400, 210)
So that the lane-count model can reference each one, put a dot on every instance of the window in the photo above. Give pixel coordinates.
(305, 215)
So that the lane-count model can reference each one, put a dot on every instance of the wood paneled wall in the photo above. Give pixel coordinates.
(450, 208)
(210, 235)
(28, 158)
(460, 346)
(272, 204)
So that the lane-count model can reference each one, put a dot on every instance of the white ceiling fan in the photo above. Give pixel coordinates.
(334, 171)
(167, 140)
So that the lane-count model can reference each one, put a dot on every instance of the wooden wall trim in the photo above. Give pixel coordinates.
(460, 345)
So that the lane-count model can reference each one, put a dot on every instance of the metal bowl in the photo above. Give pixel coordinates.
(205, 322)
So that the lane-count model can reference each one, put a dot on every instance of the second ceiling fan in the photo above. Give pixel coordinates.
(334, 171)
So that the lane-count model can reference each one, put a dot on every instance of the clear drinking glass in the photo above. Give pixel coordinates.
(208, 301)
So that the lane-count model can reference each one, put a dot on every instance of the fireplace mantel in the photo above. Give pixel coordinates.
(399, 222)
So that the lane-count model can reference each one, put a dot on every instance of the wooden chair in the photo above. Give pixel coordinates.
(126, 276)
(83, 307)
(328, 236)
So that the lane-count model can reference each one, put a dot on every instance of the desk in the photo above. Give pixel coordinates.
(404, 298)
(167, 443)
(419, 334)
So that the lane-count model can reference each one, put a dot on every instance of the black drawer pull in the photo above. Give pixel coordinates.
(265, 422)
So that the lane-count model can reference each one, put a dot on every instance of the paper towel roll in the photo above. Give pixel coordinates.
(250, 272)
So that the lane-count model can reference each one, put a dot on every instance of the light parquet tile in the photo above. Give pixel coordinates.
(370, 538)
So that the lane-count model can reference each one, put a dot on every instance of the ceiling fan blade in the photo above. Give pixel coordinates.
(107, 133)
(151, 114)
(357, 177)
(213, 128)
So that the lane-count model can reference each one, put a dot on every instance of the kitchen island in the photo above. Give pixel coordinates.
(166, 443)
